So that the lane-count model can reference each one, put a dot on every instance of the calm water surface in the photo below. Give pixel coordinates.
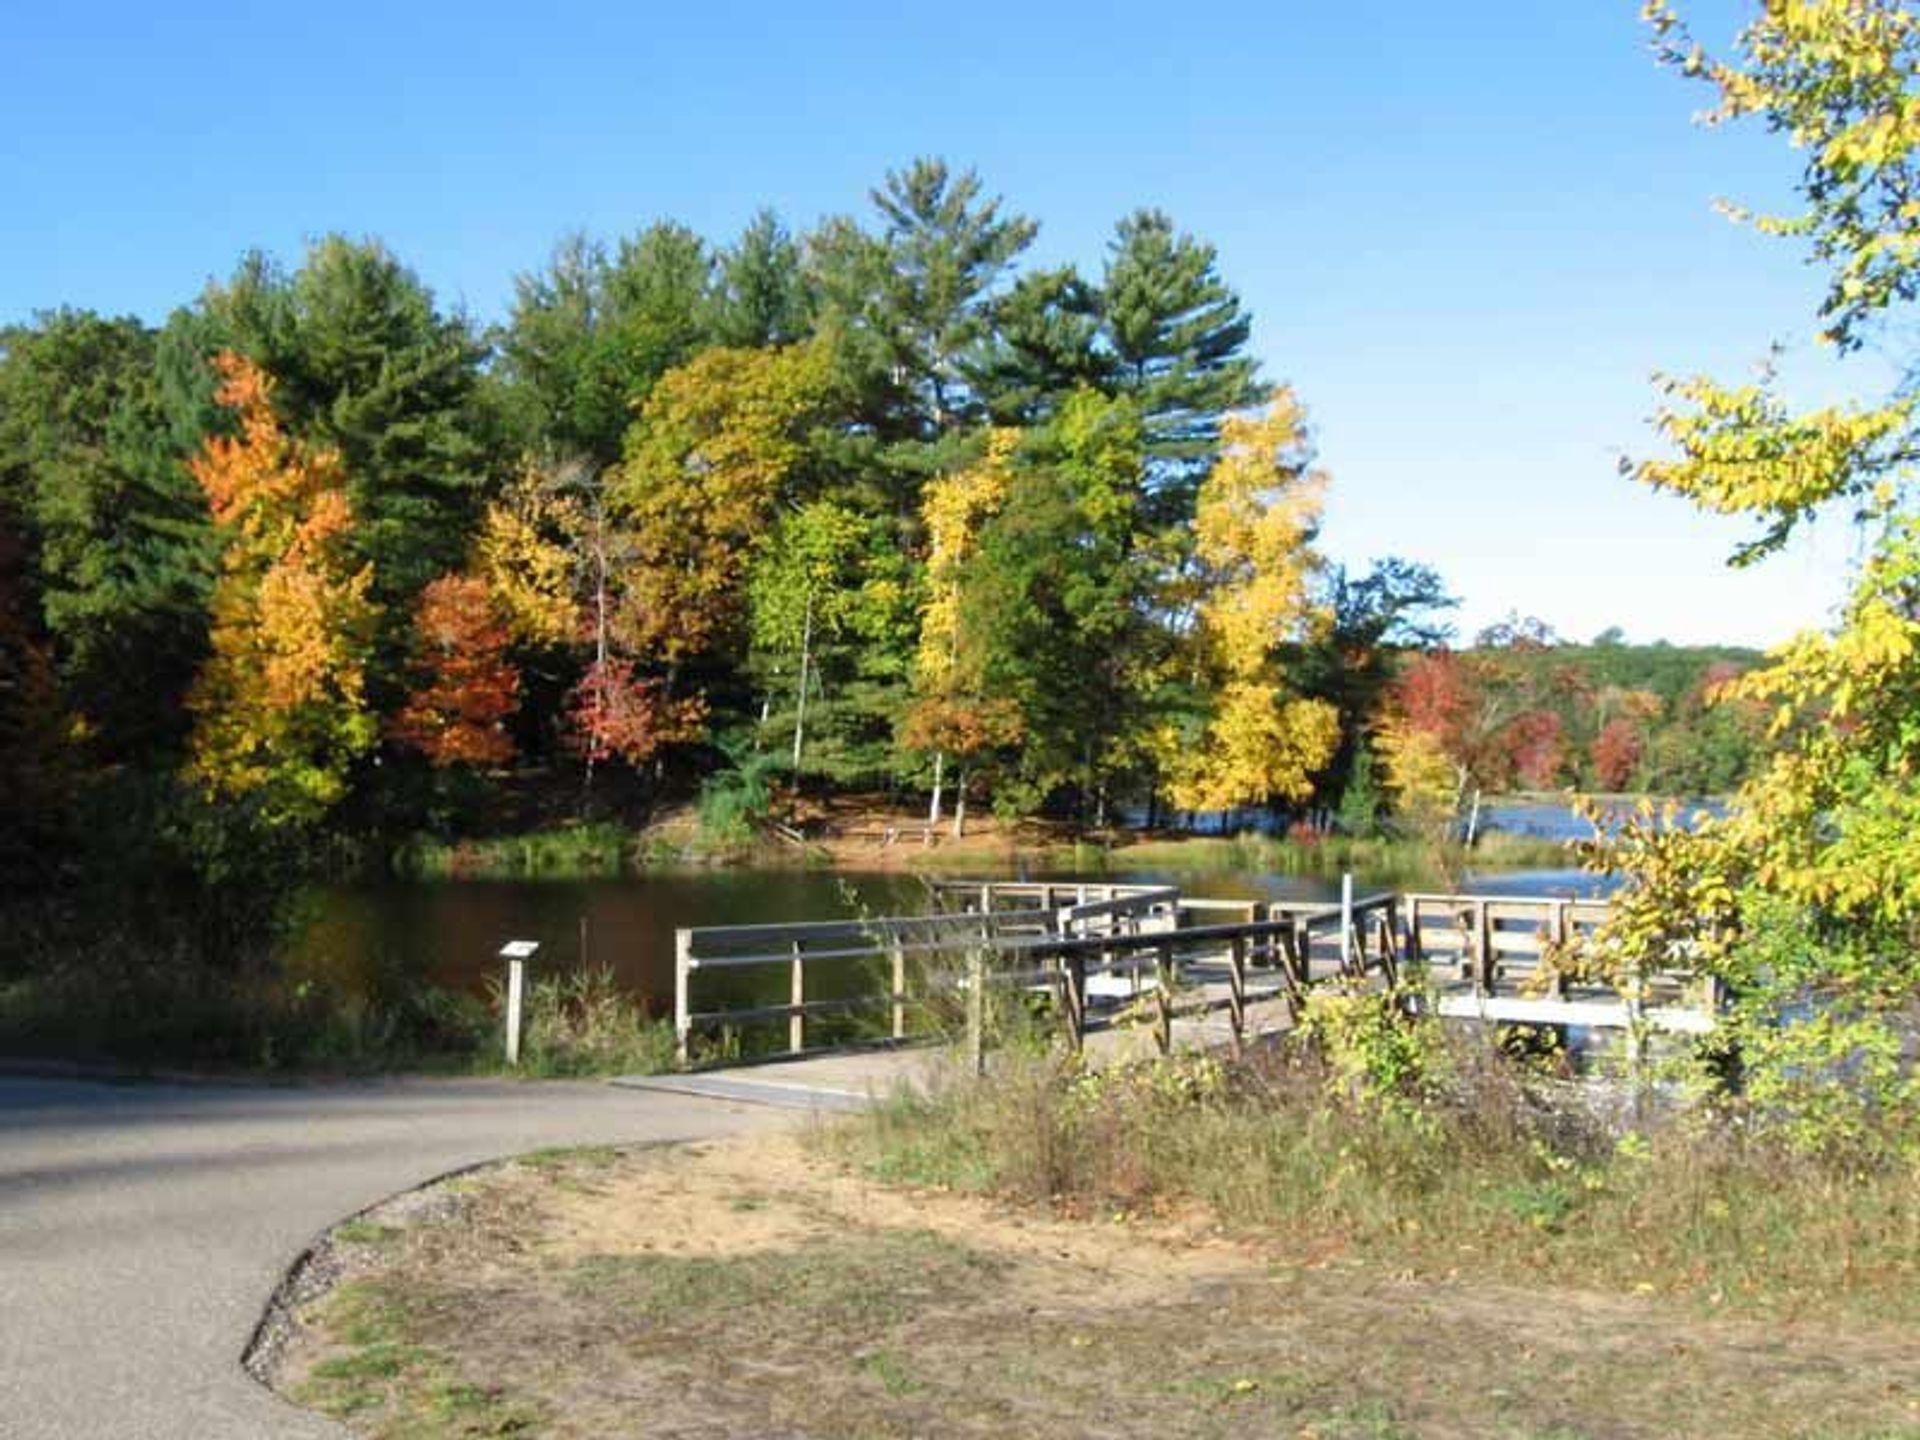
(366, 939)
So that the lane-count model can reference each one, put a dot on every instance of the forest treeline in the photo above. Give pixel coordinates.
(877, 504)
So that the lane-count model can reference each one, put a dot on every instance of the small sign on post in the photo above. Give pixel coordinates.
(516, 953)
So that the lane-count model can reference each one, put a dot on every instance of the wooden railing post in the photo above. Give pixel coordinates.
(797, 1019)
(1163, 994)
(1073, 995)
(1483, 945)
(898, 954)
(1558, 939)
(1237, 991)
(682, 995)
(977, 1009)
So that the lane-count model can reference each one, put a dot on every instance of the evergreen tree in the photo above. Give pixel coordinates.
(920, 292)
(1044, 344)
(564, 380)
(364, 362)
(124, 548)
(761, 296)
(1178, 336)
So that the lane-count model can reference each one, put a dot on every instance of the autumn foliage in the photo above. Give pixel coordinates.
(466, 685)
(618, 714)
(280, 709)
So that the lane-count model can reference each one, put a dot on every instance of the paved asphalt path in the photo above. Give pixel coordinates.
(143, 1228)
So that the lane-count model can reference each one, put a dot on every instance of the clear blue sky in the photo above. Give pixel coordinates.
(1468, 232)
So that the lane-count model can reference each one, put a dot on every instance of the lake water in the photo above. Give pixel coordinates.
(363, 939)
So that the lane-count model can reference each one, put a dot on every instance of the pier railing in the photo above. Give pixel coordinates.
(899, 946)
(1158, 956)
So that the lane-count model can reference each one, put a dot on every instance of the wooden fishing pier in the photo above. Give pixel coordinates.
(1145, 957)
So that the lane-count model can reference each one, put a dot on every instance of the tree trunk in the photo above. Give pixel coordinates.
(800, 700)
(960, 806)
(933, 810)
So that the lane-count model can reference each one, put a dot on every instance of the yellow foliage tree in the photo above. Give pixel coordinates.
(950, 714)
(529, 554)
(1805, 897)
(1254, 524)
(720, 440)
(1422, 782)
(280, 711)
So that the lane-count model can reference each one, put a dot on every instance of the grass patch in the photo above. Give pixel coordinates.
(584, 1023)
(838, 1308)
(1384, 861)
(556, 1159)
(858, 1287)
(390, 1386)
(1484, 1175)
(579, 850)
(364, 1232)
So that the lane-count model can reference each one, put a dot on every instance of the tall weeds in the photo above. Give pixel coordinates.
(1490, 1173)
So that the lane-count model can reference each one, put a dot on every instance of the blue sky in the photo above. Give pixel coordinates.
(1469, 233)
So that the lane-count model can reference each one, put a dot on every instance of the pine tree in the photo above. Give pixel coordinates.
(1178, 336)
(761, 296)
(124, 549)
(1044, 345)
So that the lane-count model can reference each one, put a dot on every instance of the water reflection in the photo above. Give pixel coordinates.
(373, 941)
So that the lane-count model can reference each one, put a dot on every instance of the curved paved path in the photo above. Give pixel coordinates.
(144, 1228)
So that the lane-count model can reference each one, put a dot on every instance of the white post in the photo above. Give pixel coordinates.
(683, 995)
(516, 987)
(516, 953)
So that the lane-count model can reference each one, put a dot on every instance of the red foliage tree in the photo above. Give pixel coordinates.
(616, 714)
(1536, 748)
(1616, 753)
(466, 687)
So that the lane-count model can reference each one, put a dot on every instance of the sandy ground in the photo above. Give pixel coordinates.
(759, 1287)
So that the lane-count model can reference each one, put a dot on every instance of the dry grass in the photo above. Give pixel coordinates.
(758, 1289)
(1485, 1175)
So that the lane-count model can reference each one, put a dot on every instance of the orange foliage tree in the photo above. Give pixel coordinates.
(466, 687)
(279, 706)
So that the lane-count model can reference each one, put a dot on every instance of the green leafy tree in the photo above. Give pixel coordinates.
(35, 776)
(1058, 605)
(822, 584)
(1374, 620)
(124, 548)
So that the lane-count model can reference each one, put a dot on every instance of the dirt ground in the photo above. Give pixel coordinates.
(856, 831)
(761, 1289)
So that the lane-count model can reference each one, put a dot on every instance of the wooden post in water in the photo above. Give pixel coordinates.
(797, 996)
